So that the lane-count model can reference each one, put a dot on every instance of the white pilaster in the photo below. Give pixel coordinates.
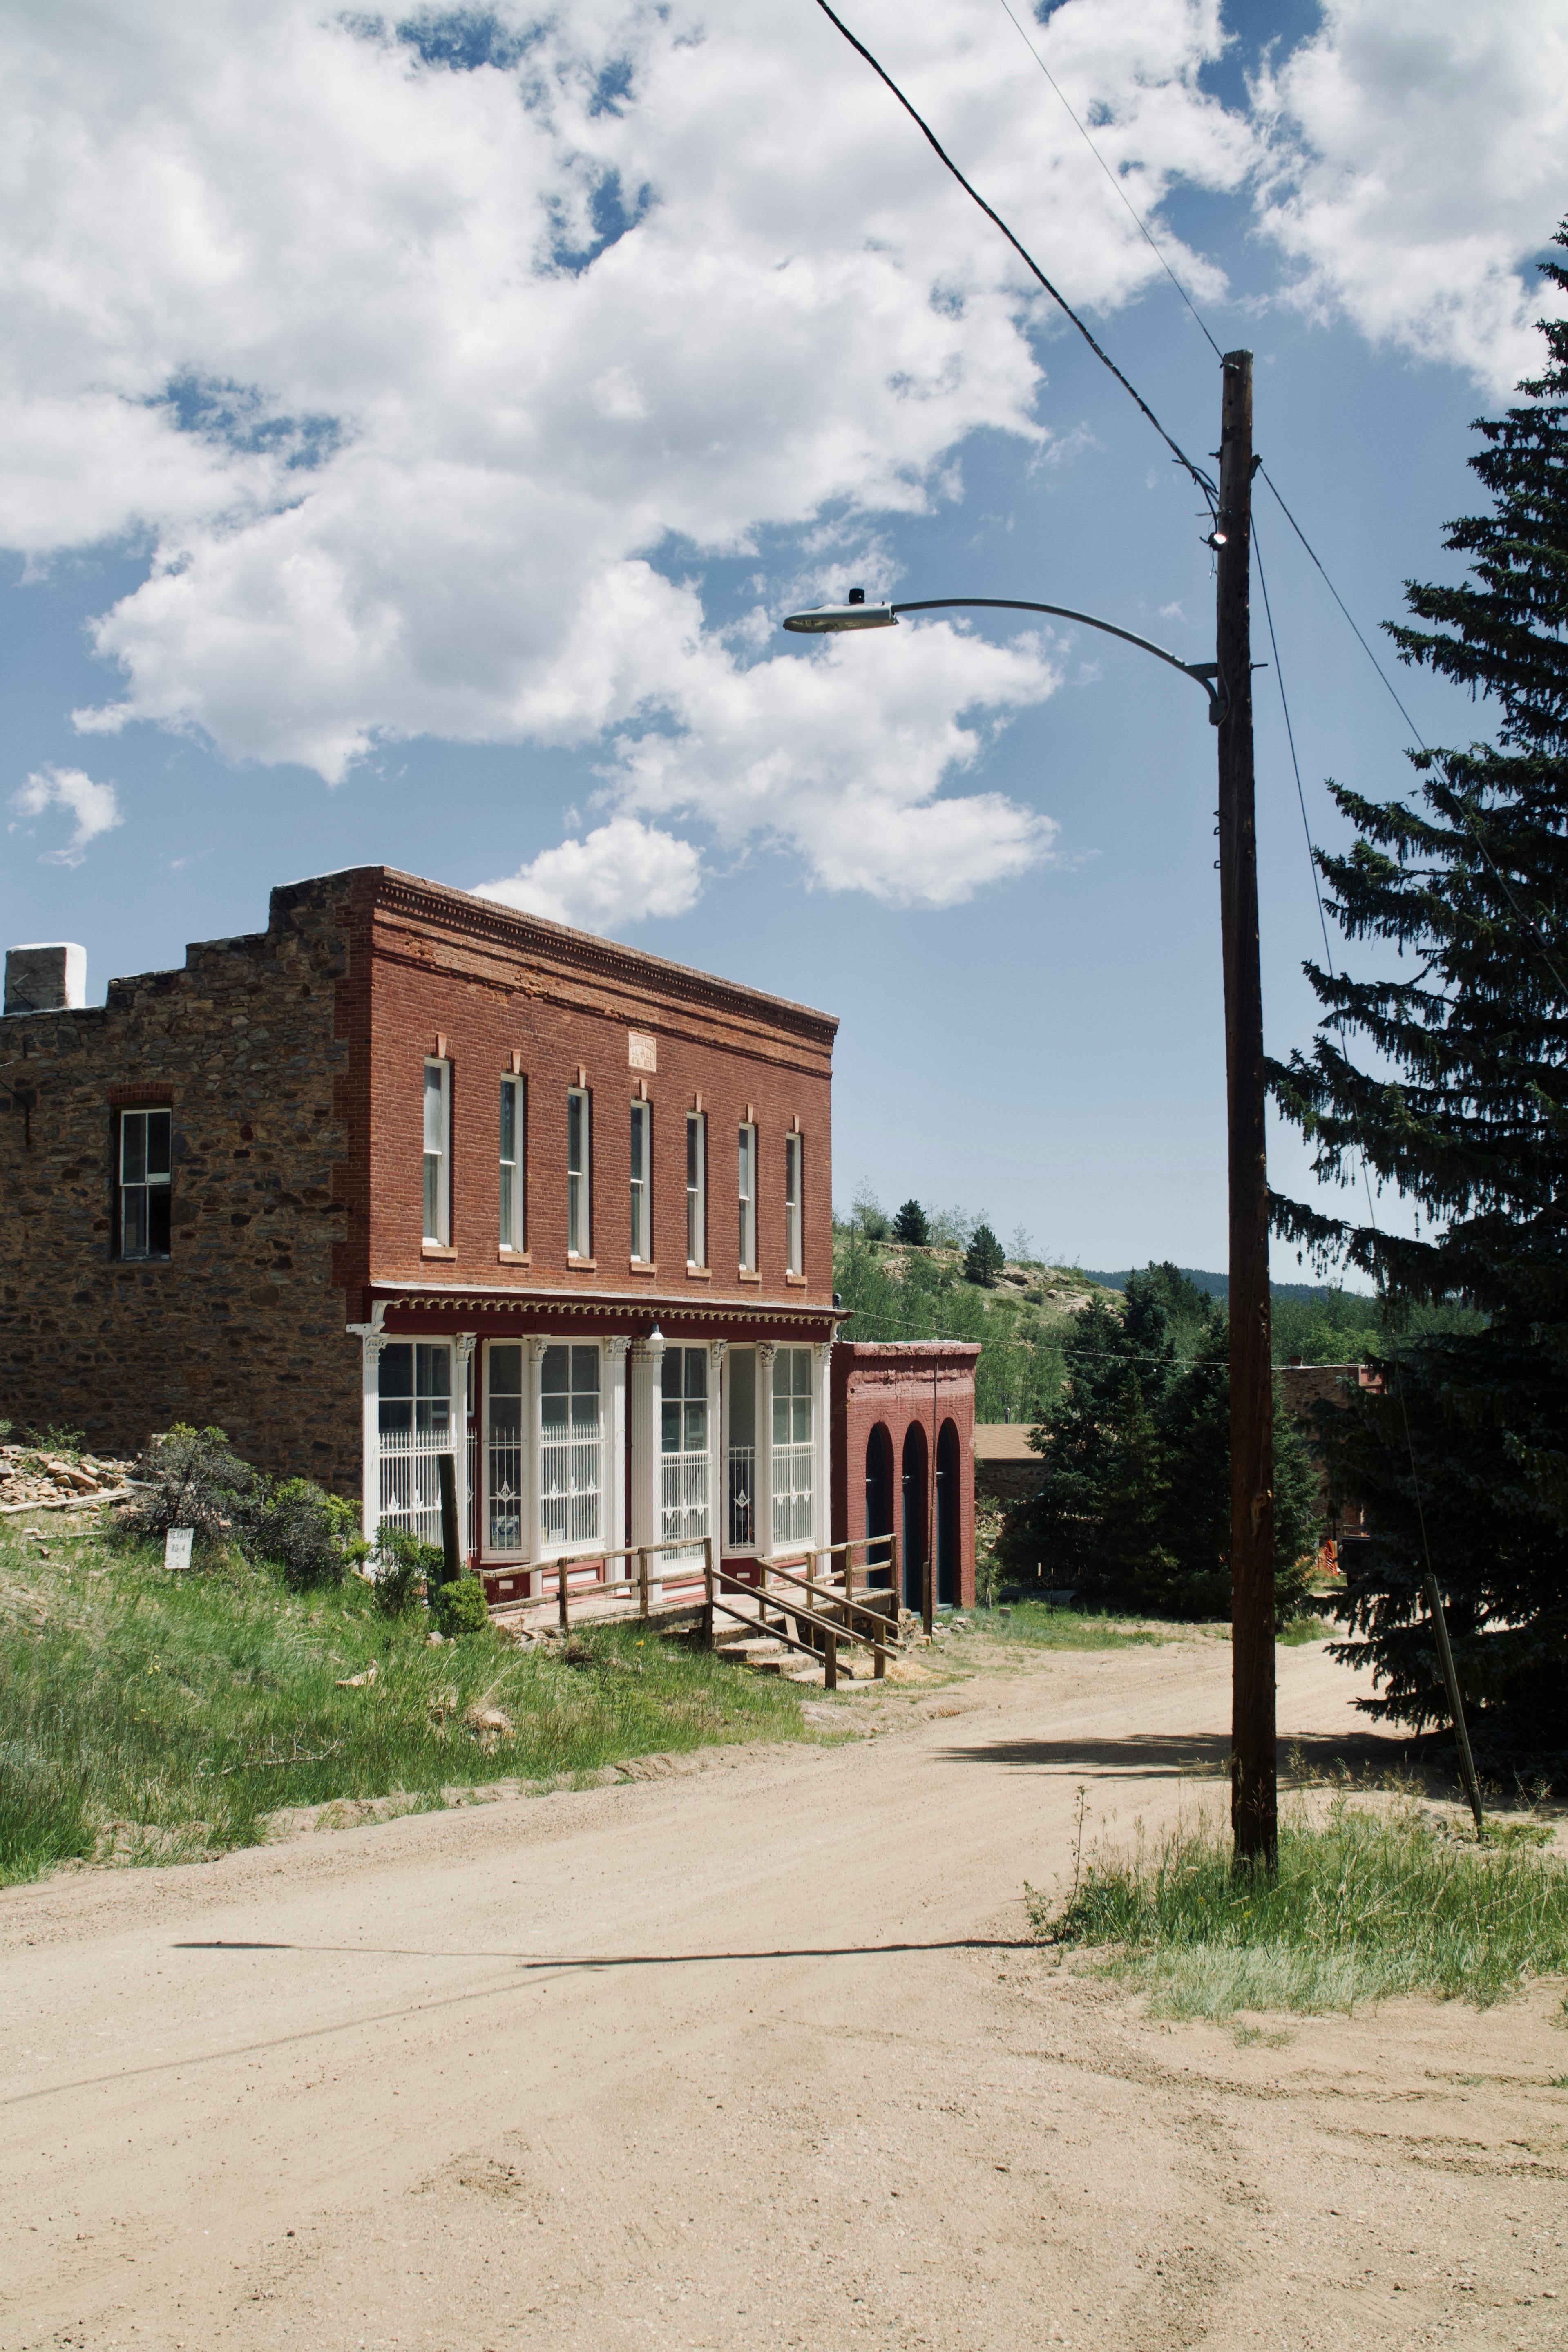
(717, 1459)
(764, 1481)
(616, 1467)
(533, 1447)
(372, 1340)
(647, 1415)
(822, 1441)
(462, 1373)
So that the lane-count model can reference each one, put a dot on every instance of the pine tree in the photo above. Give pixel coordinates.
(1460, 1101)
(984, 1257)
(910, 1226)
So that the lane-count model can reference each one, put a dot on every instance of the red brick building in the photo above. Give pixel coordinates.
(903, 1457)
(409, 1174)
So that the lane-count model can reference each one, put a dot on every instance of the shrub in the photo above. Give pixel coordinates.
(459, 1607)
(189, 1478)
(910, 1226)
(311, 1535)
(402, 1563)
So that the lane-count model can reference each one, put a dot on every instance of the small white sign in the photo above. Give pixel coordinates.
(177, 1547)
(642, 1051)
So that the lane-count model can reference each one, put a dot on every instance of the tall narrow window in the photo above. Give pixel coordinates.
(504, 1483)
(684, 1468)
(794, 1146)
(793, 1454)
(696, 1188)
(570, 1448)
(642, 1182)
(512, 1133)
(144, 1157)
(438, 1151)
(748, 1199)
(578, 1176)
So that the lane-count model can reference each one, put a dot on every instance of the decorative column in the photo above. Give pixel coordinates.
(371, 1340)
(617, 1570)
(718, 1458)
(647, 1409)
(463, 1349)
(822, 1445)
(763, 1520)
(533, 1447)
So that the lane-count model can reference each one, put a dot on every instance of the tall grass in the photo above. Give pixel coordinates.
(152, 1718)
(1365, 1904)
(1035, 1624)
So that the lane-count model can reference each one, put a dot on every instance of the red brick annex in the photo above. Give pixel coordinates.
(409, 1174)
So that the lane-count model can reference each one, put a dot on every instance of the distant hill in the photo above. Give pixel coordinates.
(1217, 1285)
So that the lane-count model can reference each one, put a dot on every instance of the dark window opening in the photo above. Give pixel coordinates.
(145, 1149)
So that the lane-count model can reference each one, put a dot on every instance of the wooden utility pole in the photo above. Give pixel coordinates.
(1254, 1795)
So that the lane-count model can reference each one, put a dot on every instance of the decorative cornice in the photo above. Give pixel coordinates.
(482, 1300)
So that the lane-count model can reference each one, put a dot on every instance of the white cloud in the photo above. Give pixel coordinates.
(95, 808)
(308, 311)
(1425, 168)
(621, 872)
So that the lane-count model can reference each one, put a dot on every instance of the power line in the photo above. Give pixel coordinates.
(1141, 224)
(1202, 479)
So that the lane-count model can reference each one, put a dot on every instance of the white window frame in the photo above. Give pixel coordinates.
(139, 1189)
(581, 1504)
(513, 1227)
(506, 1484)
(437, 1165)
(747, 1184)
(580, 1179)
(641, 1203)
(686, 1471)
(695, 1188)
(792, 1465)
(794, 1187)
(410, 1449)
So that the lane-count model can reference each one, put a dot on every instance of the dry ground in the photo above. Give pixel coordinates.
(752, 2055)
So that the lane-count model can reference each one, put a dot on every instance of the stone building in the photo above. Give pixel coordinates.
(409, 1174)
(903, 1457)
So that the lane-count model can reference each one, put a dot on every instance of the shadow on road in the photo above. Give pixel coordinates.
(1152, 1755)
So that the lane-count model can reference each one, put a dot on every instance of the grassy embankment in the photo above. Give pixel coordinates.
(150, 1717)
(1369, 1903)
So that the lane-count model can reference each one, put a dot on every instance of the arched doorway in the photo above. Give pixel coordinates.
(949, 1473)
(879, 1504)
(913, 1517)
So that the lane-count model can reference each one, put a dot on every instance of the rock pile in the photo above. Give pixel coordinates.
(28, 1476)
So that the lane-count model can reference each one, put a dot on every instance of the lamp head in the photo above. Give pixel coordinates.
(855, 615)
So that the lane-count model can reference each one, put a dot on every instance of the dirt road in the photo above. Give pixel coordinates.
(750, 2056)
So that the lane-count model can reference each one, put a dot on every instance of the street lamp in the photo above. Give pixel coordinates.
(1228, 682)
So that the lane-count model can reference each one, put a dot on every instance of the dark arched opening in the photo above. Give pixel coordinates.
(948, 1477)
(880, 1505)
(913, 1517)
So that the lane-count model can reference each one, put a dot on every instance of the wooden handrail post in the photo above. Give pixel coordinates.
(642, 1580)
(562, 1587)
(708, 1592)
(879, 1663)
(893, 1566)
(830, 1661)
(928, 1592)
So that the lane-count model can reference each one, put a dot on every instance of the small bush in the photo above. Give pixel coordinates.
(189, 1478)
(311, 1536)
(459, 1607)
(402, 1563)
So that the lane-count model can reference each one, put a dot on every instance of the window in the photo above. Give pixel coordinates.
(571, 1451)
(696, 1188)
(144, 1155)
(684, 1471)
(513, 1133)
(642, 1182)
(415, 1421)
(793, 1452)
(742, 1422)
(504, 1464)
(438, 1151)
(794, 1146)
(578, 1146)
(748, 1199)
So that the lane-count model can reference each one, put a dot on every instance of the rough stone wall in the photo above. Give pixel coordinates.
(890, 1382)
(242, 1325)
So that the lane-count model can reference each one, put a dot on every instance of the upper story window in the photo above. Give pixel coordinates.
(438, 1151)
(513, 1115)
(642, 1182)
(748, 1199)
(579, 1147)
(145, 1143)
(794, 1150)
(696, 1188)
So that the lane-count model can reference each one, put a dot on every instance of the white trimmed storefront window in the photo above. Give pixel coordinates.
(685, 1451)
(414, 1424)
(793, 1450)
(571, 1447)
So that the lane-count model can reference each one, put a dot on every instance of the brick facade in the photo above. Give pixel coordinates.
(292, 1063)
(902, 1409)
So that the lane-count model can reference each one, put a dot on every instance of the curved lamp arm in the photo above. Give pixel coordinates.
(833, 619)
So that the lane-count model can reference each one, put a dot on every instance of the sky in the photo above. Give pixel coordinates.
(416, 425)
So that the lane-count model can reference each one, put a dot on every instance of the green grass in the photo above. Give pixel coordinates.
(1035, 1624)
(154, 1719)
(1367, 1903)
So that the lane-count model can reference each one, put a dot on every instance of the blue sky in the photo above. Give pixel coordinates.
(417, 426)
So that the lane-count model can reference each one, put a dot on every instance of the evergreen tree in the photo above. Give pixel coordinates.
(984, 1259)
(910, 1226)
(1461, 1101)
